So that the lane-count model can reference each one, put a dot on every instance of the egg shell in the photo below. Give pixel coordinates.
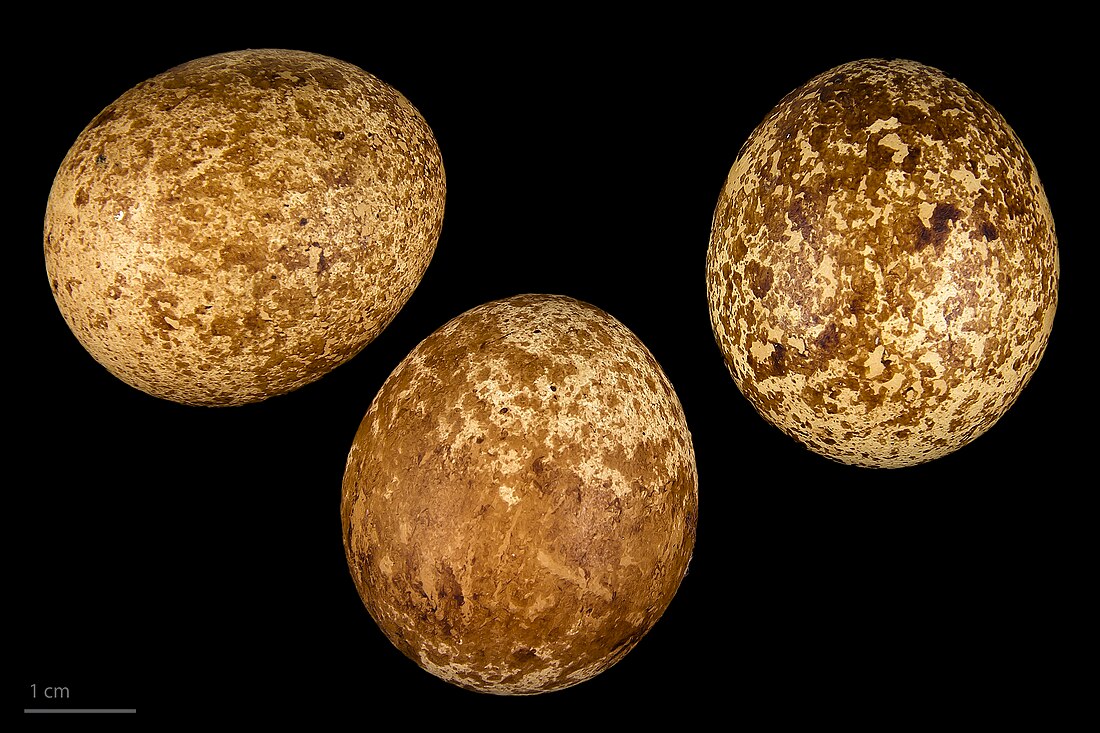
(240, 225)
(520, 500)
(883, 268)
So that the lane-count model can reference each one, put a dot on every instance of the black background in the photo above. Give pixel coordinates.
(188, 561)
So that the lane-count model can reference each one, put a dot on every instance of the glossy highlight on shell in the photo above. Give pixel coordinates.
(883, 266)
(519, 503)
(240, 225)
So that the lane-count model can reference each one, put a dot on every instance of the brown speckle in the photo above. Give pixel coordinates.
(829, 339)
(759, 278)
(778, 367)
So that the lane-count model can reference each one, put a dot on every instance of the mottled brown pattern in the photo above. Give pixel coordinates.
(520, 500)
(883, 266)
(240, 225)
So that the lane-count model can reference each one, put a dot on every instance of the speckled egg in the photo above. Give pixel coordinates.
(519, 504)
(882, 273)
(240, 225)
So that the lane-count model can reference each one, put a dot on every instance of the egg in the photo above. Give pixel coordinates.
(520, 500)
(882, 272)
(238, 226)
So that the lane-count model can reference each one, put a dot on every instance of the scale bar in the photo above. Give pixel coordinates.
(80, 710)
